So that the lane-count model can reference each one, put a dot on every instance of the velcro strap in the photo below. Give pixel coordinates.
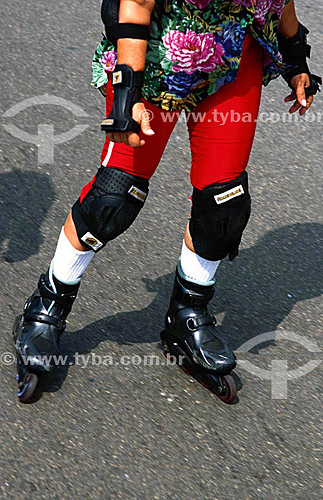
(301, 32)
(195, 300)
(195, 323)
(113, 125)
(44, 318)
(127, 30)
(127, 78)
(315, 82)
(300, 39)
(64, 299)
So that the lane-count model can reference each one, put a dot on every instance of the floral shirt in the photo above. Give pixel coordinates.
(195, 48)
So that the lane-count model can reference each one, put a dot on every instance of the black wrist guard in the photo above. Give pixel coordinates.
(127, 91)
(115, 30)
(295, 50)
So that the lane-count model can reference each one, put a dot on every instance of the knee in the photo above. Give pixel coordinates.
(109, 208)
(220, 213)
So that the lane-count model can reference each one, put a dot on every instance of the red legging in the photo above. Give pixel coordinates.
(221, 129)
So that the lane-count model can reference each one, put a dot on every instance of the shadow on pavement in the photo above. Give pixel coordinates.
(25, 199)
(269, 279)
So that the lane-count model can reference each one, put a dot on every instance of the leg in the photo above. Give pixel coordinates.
(140, 162)
(107, 206)
(220, 211)
(221, 144)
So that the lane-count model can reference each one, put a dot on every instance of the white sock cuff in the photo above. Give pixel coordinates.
(69, 263)
(196, 268)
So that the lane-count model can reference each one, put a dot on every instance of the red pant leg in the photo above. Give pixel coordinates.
(221, 143)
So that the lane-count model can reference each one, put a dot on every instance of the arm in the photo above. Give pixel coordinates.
(288, 25)
(292, 44)
(132, 52)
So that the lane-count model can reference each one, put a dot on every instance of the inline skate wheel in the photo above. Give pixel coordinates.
(27, 387)
(228, 391)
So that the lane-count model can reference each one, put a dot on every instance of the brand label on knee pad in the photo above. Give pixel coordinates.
(137, 193)
(228, 195)
(92, 241)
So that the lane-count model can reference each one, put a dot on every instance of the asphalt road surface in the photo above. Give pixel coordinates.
(103, 429)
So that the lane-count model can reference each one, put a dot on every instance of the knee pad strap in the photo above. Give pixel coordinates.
(220, 213)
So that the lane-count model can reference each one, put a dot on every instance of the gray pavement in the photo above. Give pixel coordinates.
(152, 432)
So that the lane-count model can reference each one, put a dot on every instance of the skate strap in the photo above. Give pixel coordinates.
(195, 323)
(197, 300)
(60, 324)
(46, 292)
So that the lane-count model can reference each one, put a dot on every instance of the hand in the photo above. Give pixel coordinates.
(141, 115)
(300, 82)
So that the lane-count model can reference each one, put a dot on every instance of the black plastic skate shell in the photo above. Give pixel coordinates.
(223, 385)
(27, 381)
(190, 338)
(37, 330)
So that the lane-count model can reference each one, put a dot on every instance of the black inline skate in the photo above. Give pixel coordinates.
(38, 329)
(190, 338)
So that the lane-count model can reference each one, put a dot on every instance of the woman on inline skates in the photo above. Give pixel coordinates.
(210, 59)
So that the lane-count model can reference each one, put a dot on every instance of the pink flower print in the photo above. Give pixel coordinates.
(277, 6)
(109, 60)
(265, 6)
(192, 51)
(261, 11)
(199, 4)
(245, 3)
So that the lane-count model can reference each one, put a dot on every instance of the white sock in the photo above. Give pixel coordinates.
(69, 263)
(196, 268)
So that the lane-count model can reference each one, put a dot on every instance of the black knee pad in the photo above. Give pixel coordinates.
(109, 208)
(220, 213)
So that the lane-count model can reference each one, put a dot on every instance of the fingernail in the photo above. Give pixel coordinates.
(304, 103)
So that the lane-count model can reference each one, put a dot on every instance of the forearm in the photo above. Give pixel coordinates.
(131, 51)
(289, 23)
(293, 46)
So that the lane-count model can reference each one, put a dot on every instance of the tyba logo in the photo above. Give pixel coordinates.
(279, 373)
(46, 139)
